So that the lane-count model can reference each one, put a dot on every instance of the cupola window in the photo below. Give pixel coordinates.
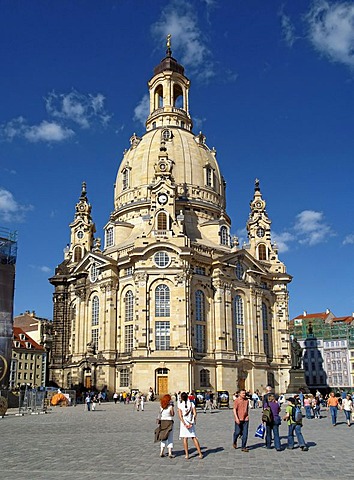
(125, 178)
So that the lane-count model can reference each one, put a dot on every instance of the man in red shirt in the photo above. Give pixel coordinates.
(241, 420)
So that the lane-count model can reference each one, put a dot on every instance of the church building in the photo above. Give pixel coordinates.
(169, 300)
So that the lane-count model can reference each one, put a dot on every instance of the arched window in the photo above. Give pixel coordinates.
(95, 311)
(262, 252)
(94, 272)
(224, 236)
(77, 254)
(239, 324)
(161, 221)
(178, 96)
(129, 306)
(265, 324)
(204, 376)
(199, 306)
(109, 237)
(125, 179)
(162, 301)
(158, 97)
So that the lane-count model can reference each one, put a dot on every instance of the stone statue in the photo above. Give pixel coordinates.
(296, 354)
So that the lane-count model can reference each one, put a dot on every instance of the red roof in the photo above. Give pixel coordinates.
(24, 339)
(343, 319)
(312, 315)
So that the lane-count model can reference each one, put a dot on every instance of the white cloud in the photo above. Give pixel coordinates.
(44, 132)
(142, 110)
(81, 109)
(41, 268)
(311, 228)
(179, 19)
(282, 240)
(10, 209)
(198, 123)
(349, 239)
(47, 132)
(288, 29)
(331, 30)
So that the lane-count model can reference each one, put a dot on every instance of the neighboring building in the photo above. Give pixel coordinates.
(39, 329)
(29, 361)
(335, 343)
(313, 363)
(170, 300)
(8, 254)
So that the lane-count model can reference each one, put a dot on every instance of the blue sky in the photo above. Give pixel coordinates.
(272, 90)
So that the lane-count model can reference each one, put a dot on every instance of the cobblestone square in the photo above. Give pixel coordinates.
(115, 441)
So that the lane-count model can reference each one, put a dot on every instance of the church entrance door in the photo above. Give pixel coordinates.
(162, 385)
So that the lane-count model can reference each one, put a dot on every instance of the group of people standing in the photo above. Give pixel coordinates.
(187, 414)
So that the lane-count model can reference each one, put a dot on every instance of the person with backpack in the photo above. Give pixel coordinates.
(294, 418)
(272, 420)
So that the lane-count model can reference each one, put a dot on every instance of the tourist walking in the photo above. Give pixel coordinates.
(272, 427)
(332, 405)
(308, 406)
(294, 426)
(88, 401)
(347, 407)
(188, 417)
(207, 402)
(165, 429)
(240, 410)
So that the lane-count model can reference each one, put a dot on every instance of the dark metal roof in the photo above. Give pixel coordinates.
(169, 63)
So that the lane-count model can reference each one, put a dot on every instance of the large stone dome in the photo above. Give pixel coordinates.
(194, 169)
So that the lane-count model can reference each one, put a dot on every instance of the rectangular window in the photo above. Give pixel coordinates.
(128, 338)
(124, 378)
(109, 237)
(200, 338)
(95, 338)
(240, 341)
(200, 270)
(129, 271)
(162, 335)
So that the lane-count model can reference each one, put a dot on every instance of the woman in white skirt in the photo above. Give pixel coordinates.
(188, 416)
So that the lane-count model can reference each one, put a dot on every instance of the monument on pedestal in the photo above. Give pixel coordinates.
(297, 374)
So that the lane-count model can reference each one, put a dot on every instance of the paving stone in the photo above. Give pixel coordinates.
(117, 441)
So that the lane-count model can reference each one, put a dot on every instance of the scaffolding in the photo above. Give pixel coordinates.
(8, 247)
(300, 329)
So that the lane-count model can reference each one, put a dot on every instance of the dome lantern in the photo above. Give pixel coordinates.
(169, 90)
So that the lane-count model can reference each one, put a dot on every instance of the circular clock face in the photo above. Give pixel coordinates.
(258, 204)
(260, 232)
(162, 199)
(80, 234)
(82, 207)
(162, 167)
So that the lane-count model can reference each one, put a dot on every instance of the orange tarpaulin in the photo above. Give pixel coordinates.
(59, 398)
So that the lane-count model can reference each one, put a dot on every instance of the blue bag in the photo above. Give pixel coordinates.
(260, 432)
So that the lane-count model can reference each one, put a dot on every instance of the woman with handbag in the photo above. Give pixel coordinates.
(272, 426)
(164, 432)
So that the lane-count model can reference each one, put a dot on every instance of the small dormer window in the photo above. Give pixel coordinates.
(22, 336)
(125, 178)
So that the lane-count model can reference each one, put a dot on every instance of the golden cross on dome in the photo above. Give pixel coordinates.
(168, 43)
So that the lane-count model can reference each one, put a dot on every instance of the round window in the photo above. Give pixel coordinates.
(161, 259)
